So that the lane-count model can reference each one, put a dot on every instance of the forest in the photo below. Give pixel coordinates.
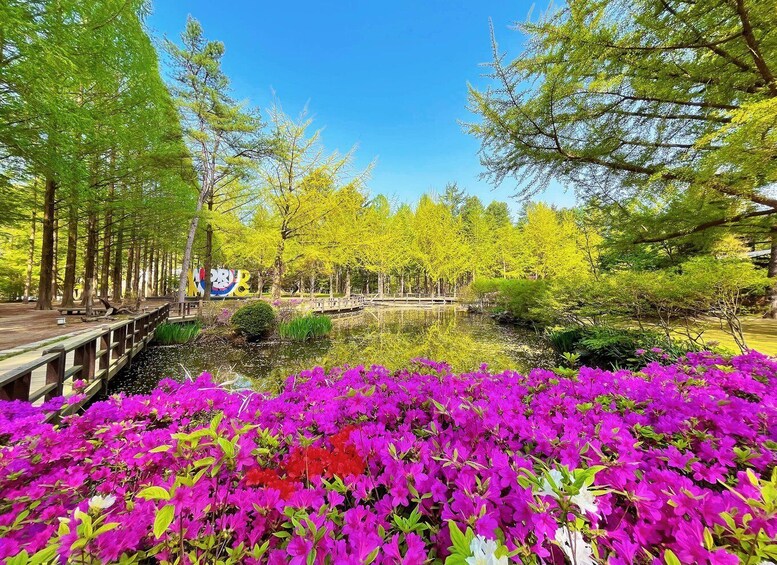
(118, 178)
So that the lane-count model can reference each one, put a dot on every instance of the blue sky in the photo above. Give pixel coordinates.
(388, 77)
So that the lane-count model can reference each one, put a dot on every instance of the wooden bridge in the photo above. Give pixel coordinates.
(415, 299)
(334, 305)
(95, 356)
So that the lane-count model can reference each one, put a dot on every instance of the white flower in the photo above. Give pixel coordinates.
(99, 502)
(483, 551)
(574, 546)
(547, 488)
(585, 501)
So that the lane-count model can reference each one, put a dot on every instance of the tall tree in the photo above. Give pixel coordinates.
(630, 99)
(222, 136)
(301, 185)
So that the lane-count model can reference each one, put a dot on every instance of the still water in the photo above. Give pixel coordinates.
(385, 336)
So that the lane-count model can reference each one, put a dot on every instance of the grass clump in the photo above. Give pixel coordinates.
(254, 320)
(305, 328)
(169, 334)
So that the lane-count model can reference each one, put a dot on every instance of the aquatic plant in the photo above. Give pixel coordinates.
(168, 334)
(303, 328)
(672, 464)
(254, 320)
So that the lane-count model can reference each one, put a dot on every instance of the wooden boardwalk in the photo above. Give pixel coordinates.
(95, 356)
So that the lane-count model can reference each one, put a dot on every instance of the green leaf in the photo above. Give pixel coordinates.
(154, 493)
(227, 447)
(164, 517)
(670, 558)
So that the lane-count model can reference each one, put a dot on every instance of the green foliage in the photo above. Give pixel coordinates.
(595, 98)
(169, 334)
(304, 328)
(254, 320)
(608, 347)
(518, 299)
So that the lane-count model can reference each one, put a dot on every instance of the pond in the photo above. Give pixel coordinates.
(385, 336)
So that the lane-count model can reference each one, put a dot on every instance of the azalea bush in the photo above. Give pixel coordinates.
(670, 464)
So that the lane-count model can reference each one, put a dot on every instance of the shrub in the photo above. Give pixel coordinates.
(607, 347)
(168, 334)
(304, 328)
(254, 320)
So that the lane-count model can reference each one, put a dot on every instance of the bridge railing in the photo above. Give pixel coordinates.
(187, 309)
(337, 304)
(95, 357)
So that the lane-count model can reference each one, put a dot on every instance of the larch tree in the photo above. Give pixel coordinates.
(300, 184)
(632, 99)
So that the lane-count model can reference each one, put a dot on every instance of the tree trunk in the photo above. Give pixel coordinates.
(162, 286)
(331, 285)
(312, 286)
(208, 254)
(183, 277)
(117, 260)
(71, 256)
(89, 260)
(156, 272)
(105, 264)
(47, 247)
(30, 255)
(55, 263)
(402, 283)
(143, 284)
(773, 275)
(348, 282)
(277, 274)
(136, 270)
(130, 264)
(259, 282)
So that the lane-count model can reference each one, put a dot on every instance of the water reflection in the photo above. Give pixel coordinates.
(390, 337)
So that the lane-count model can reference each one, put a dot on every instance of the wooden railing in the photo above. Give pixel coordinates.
(413, 298)
(95, 357)
(188, 310)
(337, 304)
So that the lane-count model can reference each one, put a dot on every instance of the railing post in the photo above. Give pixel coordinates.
(18, 389)
(120, 338)
(105, 345)
(55, 371)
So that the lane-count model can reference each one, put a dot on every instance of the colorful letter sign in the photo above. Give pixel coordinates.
(224, 282)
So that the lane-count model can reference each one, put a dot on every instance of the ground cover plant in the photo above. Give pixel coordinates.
(674, 463)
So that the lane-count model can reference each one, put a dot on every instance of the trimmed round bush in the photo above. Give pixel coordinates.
(254, 320)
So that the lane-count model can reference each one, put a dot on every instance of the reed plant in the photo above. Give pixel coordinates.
(169, 334)
(305, 328)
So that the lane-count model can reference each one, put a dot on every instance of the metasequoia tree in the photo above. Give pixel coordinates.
(86, 115)
(643, 98)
